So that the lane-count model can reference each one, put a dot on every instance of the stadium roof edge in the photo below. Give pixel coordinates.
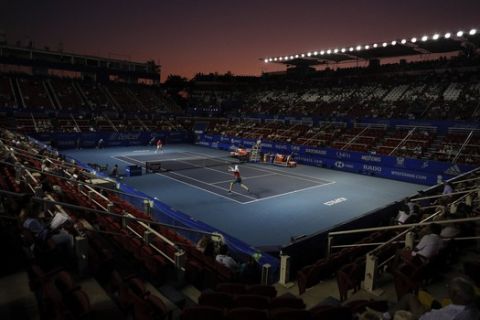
(415, 45)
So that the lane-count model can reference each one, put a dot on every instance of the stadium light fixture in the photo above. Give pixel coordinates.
(460, 33)
(285, 58)
(335, 51)
(329, 51)
(296, 56)
(266, 60)
(315, 53)
(384, 44)
(436, 36)
(403, 41)
(291, 57)
(322, 52)
(358, 48)
(424, 38)
(309, 54)
(447, 35)
(394, 42)
(281, 58)
(303, 55)
(343, 50)
(472, 32)
(275, 59)
(413, 40)
(367, 47)
(351, 49)
(375, 45)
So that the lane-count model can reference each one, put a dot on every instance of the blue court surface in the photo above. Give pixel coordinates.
(281, 202)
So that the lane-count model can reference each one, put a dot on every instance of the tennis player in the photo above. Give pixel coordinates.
(159, 145)
(237, 179)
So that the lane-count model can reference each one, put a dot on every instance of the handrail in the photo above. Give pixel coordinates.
(466, 180)
(76, 207)
(467, 140)
(355, 138)
(403, 226)
(445, 195)
(410, 132)
(377, 243)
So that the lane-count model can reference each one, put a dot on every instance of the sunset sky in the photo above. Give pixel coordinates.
(191, 36)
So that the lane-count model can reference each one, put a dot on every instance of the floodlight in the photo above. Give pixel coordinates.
(315, 53)
(281, 58)
(413, 40)
(472, 32)
(303, 55)
(335, 51)
(403, 41)
(266, 60)
(436, 36)
(322, 52)
(459, 33)
(309, 54)
(274, 59)
(358, 48)
(343, 50)
(367, 47)
(394, 42)
(329, 51)
(384, 44)
(375, 45)
(351, 49)
(291, 57)
(424, 38)
(296, 56)
(447, 35)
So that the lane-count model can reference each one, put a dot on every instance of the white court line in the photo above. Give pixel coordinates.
(246, 178)
(247, 202)
(134, 160)
(294, 175)
(200, 188)
(192, 185)
(209, 184)
(279, 172)
(290, 192)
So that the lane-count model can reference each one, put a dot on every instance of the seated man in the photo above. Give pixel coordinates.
(430, 244)
(460, 291)
(225, 259)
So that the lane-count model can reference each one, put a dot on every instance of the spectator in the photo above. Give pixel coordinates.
(206, 246)
(462, 294)
(114, 172)
(225, 259)
(447, 188)
(430, 244)
(42, 232)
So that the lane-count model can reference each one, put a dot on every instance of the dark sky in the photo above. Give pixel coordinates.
(190, 36)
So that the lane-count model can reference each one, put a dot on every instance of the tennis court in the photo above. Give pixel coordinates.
(211, 174)
(283, 202)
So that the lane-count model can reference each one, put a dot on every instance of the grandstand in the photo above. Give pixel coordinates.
(142, 242)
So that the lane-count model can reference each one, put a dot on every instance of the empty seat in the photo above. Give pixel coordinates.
(202, 313)
(246, 314)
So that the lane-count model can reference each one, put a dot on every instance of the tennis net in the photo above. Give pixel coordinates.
(188, 163)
